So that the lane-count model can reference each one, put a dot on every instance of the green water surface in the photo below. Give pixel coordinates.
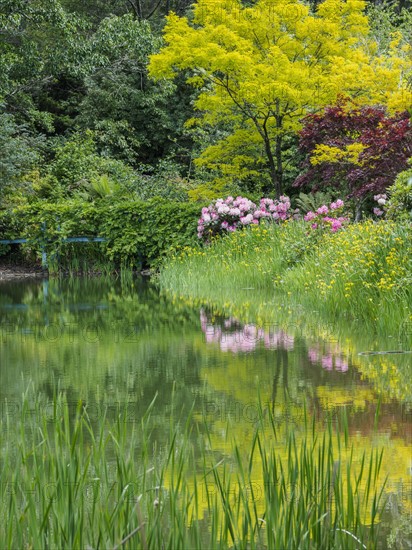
(111, 343)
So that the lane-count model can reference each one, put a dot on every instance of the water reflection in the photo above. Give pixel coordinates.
(113, 343)
(232, 336)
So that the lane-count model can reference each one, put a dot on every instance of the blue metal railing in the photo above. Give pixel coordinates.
(67, 240)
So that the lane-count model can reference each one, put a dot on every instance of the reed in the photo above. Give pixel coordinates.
(362, 272)
(68, 482)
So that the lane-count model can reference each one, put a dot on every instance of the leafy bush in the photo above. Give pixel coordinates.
(222, 216)
(163, 181)
(356, 150)
(327, 216)
(19, 151)
(399, 206)
(137, 233)
(78, 169)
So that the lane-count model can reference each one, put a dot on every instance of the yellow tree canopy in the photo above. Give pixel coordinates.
(262, 68)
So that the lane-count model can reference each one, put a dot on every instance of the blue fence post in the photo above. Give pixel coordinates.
(43, 248)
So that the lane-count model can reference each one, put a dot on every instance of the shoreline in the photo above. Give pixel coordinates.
(13, 271)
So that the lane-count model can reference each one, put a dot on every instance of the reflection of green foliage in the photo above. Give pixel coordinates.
(101, 341)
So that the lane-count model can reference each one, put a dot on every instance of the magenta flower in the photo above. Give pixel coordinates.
(245, 220)
(309, 216)
(336, 225)
(323, 209)
(337, 204)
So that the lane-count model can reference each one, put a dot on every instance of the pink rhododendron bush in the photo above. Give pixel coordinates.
(227, 215)
(328, 216)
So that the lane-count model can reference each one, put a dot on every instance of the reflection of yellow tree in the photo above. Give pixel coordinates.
(279, 389)
(252, 486)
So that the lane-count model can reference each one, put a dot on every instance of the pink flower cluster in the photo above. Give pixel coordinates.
(332, 360)
(381, 200)
(327, 216)
(236, 338)
(227, 215)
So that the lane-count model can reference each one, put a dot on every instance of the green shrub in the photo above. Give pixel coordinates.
(399, 206)
(137, 233)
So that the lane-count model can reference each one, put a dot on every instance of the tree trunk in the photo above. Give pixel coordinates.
(279, 166)
(358, 211)
(273, 169)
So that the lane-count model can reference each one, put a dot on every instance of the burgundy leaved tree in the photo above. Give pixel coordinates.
(388, 142)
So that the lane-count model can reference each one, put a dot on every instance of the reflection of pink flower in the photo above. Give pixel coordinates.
(244, 339)
(313, 355)
(327, 362)
(341, 365)
(279, 339)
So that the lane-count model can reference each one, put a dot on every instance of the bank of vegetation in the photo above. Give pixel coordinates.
(292, 97)
(362, 272)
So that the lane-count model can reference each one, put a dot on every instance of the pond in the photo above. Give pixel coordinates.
(111, 343)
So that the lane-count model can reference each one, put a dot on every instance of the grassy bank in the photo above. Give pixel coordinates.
(363, 272)
(68, 483)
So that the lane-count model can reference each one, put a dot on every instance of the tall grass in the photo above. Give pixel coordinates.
(67, 483)
(363, 272)
(244, 259)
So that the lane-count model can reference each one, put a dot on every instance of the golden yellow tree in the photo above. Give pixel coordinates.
(262, 68)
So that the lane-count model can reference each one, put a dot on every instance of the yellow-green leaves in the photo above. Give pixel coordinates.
(349, 153)
(262, 68)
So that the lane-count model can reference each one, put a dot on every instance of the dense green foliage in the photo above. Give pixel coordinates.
(136, 233)
(75, 76)
(400, 197)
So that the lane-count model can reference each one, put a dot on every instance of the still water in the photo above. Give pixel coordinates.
(111, 343)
